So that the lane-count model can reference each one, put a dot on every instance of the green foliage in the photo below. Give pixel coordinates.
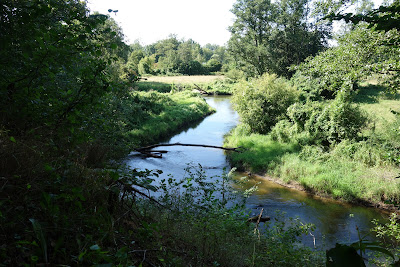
(159, 115)
(146, 66)
(213, 65)
(133, 60)
(172, 56)
(361, 52)
(66, 110)
(51, 86)
(216, 232)
(260, 153)
(271, 36)
(263, 102)
(385, 18)
(192, 67)
(155, 86)
(354, 178)
(235, 74)
(321, 123)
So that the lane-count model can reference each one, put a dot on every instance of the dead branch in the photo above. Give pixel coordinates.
(201, 90)
(147, 148)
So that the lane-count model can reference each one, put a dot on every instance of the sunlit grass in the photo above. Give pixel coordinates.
(326, 173)
(216, 84)
(181, 111)
(161, 87)
(343, 179)
(378, 104)
(259, 151)
(185, 79)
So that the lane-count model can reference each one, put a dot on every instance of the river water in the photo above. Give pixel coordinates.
(334, 221)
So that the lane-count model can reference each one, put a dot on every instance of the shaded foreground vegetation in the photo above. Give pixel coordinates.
(70, 108)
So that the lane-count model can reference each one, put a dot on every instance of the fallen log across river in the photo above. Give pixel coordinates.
(158, 153)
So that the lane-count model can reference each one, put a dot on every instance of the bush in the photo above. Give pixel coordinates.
(235, 74)
(213, 65)
(264, 101)
(321, 123)
(146, 65)
(191, 68)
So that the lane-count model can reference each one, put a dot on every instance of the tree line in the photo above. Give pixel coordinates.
(174, 56)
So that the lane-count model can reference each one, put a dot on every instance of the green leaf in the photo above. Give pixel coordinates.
(12, 139)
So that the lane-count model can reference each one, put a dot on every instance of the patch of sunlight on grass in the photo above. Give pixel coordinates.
(185, 79)
(259, 151)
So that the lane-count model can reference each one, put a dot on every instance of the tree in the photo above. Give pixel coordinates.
(54, 66)
(262, 102)
(270, 37)
(360, 53)
(250, 34)
(146, 65)
(213, 65)
(384, 18)
(134, 58)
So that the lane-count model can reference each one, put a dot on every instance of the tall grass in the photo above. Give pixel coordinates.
(260, 152)
(363, 169)
(352, 176)
(175, 111)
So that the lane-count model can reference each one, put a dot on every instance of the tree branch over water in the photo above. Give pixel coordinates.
(147, 149)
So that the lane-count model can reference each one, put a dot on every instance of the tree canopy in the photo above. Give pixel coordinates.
(271, 36)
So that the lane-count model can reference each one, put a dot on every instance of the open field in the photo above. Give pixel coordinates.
(212, 84)
(186, 79)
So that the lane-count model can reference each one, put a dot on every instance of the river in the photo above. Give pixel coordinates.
(334, 221)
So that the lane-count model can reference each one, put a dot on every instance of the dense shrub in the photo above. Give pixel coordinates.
(263, 102)
(213, 65)
(235, 74)
(321, 122)
(192, 67)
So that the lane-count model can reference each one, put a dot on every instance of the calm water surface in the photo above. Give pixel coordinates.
(334, 221)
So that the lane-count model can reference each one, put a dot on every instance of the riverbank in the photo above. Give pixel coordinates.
(328, 173)
(165, 114)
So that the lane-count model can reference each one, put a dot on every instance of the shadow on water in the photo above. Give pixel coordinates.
(335, 221)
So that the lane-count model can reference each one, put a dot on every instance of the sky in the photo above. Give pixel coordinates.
(148, 21)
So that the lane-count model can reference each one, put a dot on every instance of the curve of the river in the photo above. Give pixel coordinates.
(335, 222)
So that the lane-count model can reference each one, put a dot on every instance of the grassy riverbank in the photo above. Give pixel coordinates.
(362, 171)
(165, 114)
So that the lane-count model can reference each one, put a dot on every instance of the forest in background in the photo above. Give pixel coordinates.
(71, 106)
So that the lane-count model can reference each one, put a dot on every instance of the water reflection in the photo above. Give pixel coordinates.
(334, 221)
